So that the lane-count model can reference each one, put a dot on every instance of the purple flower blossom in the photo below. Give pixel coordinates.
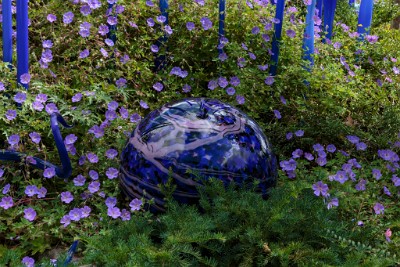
(190, 26)
(93, 174)
(25, 78)
(20, 97)
(331, 148)
(6, 189)
(47, 44)
(168, 29)
(65, 220)
(361, 146)
(79, 180)
(86, 10)
(309, 156)
(84, 54)
(85, 211)
(386, 191)
(104, 52)
(135, 204)
(30, 214)
(94, 4)
(68, 17)
(109, 42)
(230, 91)
(92, 158)
(41, 98)
(269, 80)
(320, 189)
(51, 18)
(379, 208)
(353, 139)
(158, 86)
(297, 153)
(206, 23)
(240, 99)
(125, 215)
(28, 261)
(222, 82)
(143, 104)
(49, 172)
(388, 155)
(2, 87)
(186, 88)
(112, 173)
(288, 165)
(371, 38)
(212, 84)
(135, 118)
(277, 114)
(75, 214)
(13, 139)
(41, 192)
(111, 202)
(31, 190)
(321, 161)
(376, 173)
(121, 82)
(94, 187)
(6, 202)
(114, 212)
(70, 139)
(111, 153)
(123, 112)
(341, 177)
(97, 131)
(150, 22)
(11, 114)
(291, 33)
(289, 135)
(51, 108)
(318, 147)
(333, 202)
(337, 45)
(154, 48)
(360, 186)
(67, 197)
(299, 133)
(111, 20)
(396, 180)
(103, 29)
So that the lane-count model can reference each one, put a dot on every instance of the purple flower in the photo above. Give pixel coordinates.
(37, 106)
(11, 114)
(123, 112)
(212, 84)
(114, 212)
(331, 148)
(341, 177)
(333, 202)
(111, 153)
(41, 98)
(111, 202)
(119, 9)
(20, 98)
(104, 52)
(361, 146)
(396, 180)
(386, 191)
(150, 22)
(41, 192)
(190, 26)
(135, 204)
(135, 118)
(6, 202)
(28, 261)
(206, 23)
(47, 44)
(337, 45)
(143, 104)
(379, 208)
(51, 108)
(79, 180)
(67, 197)
(85, 211)
(31, 190)
(86, 10)
(288, 165)
(297, 153)
(109, 42)
(94, 4)
(289, 135)
(51, 18)
(112, 173)
(65, 220)
(240, 99)
(318, 147)
(93, 174)
(222, 82)
(49, 172)
(299, 133)
(121, 82)
(320, 189)
(353, 139)
(252, 56)
(125, 215)
(70, 139)
(84, 54)
(186, 88)
(371, 38)
(13, 139)
(154, 48)
(97, 131)
(47, 56)
(230, 91)
(30, 214)
(277, 114)
(68, 17)
(388, 155)
(25, 78)
(158, 86)
(111, 20)
(2, 87)
(77, 97)
(321, 161)
(92, 158)
(103, 29)
(75, 214)
(6, 189)
(269, 80)
(360, 186)
(308, 156)
(291, 33)
(168, 29)
(94, 187)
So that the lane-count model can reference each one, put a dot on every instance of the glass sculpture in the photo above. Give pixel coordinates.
(192, 138)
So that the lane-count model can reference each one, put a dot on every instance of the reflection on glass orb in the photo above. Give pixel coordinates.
(191, 138)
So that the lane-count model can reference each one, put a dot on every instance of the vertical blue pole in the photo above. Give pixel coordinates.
(365, 17)
(308, 39)
(351, 2)
(319, 7)
(22, 40)
(221, 26)
(160, 59)
(329, 15)
(280, 8)
(7, 31)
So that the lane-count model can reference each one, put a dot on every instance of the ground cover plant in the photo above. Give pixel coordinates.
(335, 130)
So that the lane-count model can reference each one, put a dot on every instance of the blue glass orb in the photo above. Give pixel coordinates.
(192, 138)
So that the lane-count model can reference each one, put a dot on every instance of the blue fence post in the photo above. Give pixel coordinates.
(308, 39)
(7, 31)
(22, 40)
(160, 59)
(221, 25)
(280, 8)
(365, 17)
(111, 34)
(319, 7)
(329, 15)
